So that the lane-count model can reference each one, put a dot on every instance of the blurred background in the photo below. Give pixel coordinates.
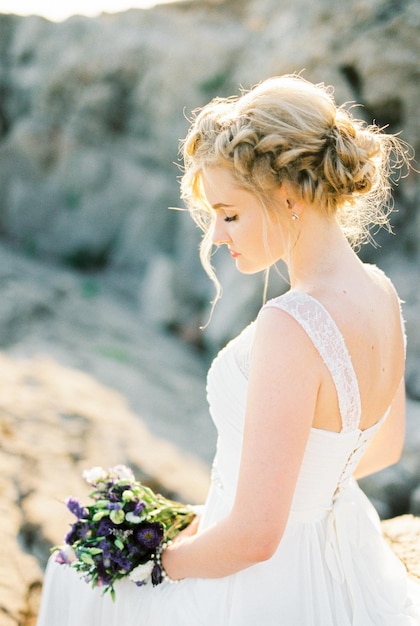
(97, 275)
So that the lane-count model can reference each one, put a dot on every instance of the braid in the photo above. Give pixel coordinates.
(287, 129)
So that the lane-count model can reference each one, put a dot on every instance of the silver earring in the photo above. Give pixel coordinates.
(295, 216)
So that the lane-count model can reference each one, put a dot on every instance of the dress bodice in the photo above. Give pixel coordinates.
(330, 457)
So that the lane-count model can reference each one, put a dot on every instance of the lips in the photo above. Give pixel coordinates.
(233, 254)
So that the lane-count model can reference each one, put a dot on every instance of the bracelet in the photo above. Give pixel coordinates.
(164, 576)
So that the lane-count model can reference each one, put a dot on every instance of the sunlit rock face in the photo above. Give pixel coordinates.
(92, 111)
(54, 423)
(97, 275)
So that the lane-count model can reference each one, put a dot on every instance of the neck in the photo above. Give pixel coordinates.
(321, 254)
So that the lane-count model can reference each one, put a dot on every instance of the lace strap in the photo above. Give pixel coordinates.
(328, 340)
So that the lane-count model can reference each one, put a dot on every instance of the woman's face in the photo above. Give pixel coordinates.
(255, 238)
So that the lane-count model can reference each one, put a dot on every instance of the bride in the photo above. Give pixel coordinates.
(306, 400)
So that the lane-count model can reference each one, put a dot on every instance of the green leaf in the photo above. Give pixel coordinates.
(101, 504)
(119, 544)
(100, 514)
(87, 558)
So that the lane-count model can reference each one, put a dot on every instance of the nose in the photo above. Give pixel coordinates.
(219, 236)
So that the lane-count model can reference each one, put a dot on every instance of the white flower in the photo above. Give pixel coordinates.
(66, 554)
(94, 475)
(117, 517)
(121, 472)
(133, 519)
(127, 495)
(142, 572)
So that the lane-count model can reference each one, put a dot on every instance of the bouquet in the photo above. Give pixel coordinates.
(122, 532)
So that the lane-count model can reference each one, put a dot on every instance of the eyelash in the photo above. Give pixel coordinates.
(230, 219)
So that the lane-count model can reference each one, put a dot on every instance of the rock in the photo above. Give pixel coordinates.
(90, 137)
(84, 322)
(55, 422)
(415, 501)
(405, 276)
(403, 533)
(97, 275)
(393, 489)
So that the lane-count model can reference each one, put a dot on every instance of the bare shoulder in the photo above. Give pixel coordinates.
(279, 338)
(381, 280)
(383, 298)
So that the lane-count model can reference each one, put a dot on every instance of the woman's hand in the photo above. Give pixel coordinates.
(181, 537)
(189, 531)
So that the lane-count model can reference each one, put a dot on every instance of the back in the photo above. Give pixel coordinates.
(367, 313)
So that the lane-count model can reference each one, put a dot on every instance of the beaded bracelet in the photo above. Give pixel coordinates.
(164, 576)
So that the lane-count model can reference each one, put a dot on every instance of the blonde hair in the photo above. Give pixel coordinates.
(288, 129)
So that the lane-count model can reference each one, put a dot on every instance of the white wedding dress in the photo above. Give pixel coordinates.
(332, 567)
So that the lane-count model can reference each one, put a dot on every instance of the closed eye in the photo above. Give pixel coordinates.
(230, 218)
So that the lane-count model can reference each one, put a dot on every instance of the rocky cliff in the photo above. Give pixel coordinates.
(98, 276)
(54, 423)
(92, 111)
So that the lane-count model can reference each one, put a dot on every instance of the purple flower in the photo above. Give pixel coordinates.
(114, 506)
(104, 577)
(149, 535)
(139, 507)
(133, 511)
(135, 507)
(78, 530)
(76, 508)
(121, 560)
(157, 575)
(113, 497)
(106, 549)
(105, 527)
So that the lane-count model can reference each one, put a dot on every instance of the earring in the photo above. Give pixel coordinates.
(295, 216)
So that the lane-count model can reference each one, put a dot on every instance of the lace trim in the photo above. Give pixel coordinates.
(242, 348)
(326, 337)
(215, 477)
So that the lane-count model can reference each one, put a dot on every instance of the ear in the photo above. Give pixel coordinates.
(287, 198)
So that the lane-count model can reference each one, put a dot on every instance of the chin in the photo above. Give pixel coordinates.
(249, 270)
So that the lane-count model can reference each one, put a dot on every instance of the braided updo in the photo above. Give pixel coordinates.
(288, 129)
